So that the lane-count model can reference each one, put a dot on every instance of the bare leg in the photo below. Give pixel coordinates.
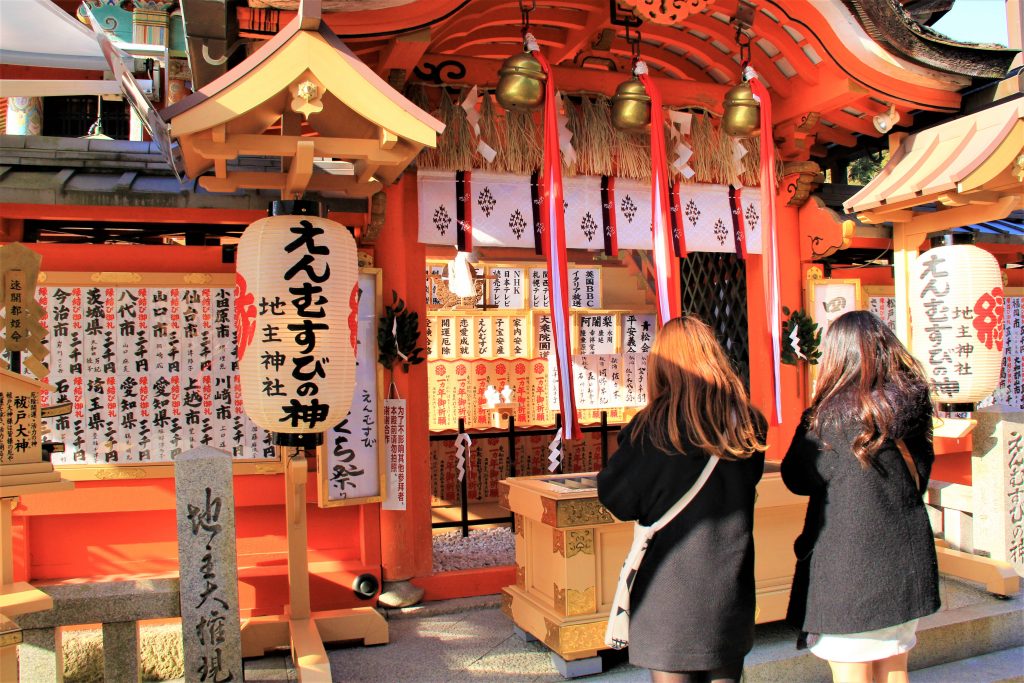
(851, 672)
(891, 669)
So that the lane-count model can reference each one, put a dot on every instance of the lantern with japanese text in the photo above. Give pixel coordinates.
(296, 310)
(956, 305)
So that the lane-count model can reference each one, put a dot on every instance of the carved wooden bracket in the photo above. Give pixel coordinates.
(799, 180)
(823, 232)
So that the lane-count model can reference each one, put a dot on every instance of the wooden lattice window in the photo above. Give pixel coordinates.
(714, 288)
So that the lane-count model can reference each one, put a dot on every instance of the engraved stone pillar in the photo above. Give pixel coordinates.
(997, 475)
(207, 565)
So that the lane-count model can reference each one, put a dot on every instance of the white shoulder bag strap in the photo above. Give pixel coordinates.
(617, 634)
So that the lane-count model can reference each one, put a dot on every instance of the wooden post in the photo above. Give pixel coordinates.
(604, 438)
(295, 509)
(464, 487)
(406, 549)
(304, 630)
(903, 255)
(9, 654)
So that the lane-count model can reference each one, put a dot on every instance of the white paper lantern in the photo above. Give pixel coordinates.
(296, 299)
(956, 305)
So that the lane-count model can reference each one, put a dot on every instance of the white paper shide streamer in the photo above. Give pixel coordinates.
(564, 134)
(555, 450)
(462, 442)
(738, 152)
(794, 341)
(473, 116)
(679, 128)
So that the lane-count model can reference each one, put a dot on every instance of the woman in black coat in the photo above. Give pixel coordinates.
(866, 566)
(692, 601)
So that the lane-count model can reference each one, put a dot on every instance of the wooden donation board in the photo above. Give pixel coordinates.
(569, 550)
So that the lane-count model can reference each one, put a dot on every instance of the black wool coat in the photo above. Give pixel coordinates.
(866, 556)
(692, 602)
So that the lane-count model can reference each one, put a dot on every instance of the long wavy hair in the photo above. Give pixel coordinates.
(867, 378)
(692, 386)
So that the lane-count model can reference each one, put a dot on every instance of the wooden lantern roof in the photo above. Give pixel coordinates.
(831, 65)
(304, 72)
(971, 169)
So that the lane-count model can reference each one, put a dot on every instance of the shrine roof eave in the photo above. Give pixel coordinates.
(331, 62)
(891, 25)
(944, 161)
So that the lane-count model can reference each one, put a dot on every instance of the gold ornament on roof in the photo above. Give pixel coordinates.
(306, 98)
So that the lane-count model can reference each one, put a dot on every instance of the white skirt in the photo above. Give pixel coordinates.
(867, 646)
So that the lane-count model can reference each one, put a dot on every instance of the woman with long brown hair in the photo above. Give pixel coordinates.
(866, 567)
(692, 600)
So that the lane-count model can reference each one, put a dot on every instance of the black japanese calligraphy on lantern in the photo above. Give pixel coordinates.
(306, 276)
(940, 329)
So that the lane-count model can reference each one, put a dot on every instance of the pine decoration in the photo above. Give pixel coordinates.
(808, 337)
(397, 336)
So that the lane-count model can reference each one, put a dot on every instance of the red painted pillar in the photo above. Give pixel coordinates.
(406, 549)
(787, 229)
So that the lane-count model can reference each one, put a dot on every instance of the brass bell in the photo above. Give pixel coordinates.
(521, 85)
(631, 105)
(742, 116)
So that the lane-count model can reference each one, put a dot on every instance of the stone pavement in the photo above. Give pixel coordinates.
(472, 640)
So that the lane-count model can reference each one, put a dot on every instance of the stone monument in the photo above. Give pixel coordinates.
(208, 568)
(998, 485)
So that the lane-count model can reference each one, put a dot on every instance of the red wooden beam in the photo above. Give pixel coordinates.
(676, 93)
(131, 214)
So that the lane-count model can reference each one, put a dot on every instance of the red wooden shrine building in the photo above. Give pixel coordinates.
(845, 78)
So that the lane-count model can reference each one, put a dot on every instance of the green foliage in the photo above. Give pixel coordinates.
(863, 170)
(398, 332)
(808, 337)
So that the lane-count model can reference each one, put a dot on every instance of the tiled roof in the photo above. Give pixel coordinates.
(52, 170)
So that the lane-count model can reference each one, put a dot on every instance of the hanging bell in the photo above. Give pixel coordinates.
(631, 105)
(521, 85)
(742, 116)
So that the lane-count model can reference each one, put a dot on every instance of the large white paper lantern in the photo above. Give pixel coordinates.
(956, 306)
(296, 300)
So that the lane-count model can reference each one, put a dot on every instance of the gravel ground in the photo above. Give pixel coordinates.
(483, 548)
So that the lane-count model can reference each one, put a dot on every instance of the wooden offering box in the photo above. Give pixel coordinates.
(569, 550)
